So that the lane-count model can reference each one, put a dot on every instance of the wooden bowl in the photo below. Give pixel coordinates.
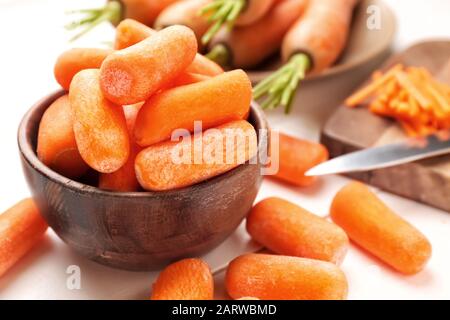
(141, 230)
(363, 46)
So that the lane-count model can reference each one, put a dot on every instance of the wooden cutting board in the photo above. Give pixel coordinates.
(347, 130)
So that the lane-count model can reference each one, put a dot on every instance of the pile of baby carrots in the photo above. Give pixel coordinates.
(123, 106)
(411, 96)
(305, 251)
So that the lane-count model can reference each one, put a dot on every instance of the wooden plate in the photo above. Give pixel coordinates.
(363, 46)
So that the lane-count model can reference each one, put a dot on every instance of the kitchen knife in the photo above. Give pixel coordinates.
(384, 156)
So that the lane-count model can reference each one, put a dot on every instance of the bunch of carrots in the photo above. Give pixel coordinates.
(310, 34)
(305, 251)
(411, 96)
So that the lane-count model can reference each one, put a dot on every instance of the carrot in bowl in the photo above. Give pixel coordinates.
(271, 277)
(21, 227)
(214, 101)
(312, 44)
(72, 61)
(188, 279)
(376, 228)
(287, 229)
(234, 12)
(133, 74)
(124, 179)
(56, 145)
(129, 32)
(246, 47)
(171, 165)
(99, 125)
(295, 157)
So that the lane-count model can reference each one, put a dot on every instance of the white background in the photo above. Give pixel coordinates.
(31, 37)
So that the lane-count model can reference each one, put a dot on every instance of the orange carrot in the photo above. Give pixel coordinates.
(312, 44)
(56, 145)
(215, 101)
(70, 62)
(246, 47)
(287, 229)
(228, 13)
(133, 74)
(188, 279)
(254, 10)
(124, 179)
(295, 157)
(321, 33)
(129, 32)
(185, 13)
(145, 11)
(100, 126)
(21, 227)
(171, 165)
(270, 277)
(372, 225)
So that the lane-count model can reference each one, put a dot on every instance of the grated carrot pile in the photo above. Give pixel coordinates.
(409, 95)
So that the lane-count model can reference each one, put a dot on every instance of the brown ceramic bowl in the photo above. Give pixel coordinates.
(140, 230)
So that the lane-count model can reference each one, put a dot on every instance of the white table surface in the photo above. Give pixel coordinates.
(31, 37)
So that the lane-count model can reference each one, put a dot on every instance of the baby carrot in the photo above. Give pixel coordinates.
(133, 74)
(215, 101)
(124, 179)
(171, 165)
(70, 62)
(56, 145)
(297, 156)
(21, 227)
(188, 279)
(287, 229)
(129, 32)
(100, 126)
(373, 226)
(270, 277)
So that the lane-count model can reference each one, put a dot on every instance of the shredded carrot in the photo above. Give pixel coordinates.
(409, 95)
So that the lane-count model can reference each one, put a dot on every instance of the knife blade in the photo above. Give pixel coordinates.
(384, 156)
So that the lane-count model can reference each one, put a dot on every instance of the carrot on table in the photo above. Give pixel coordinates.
(287, 229)
(376, 228)
(234, 12)
(72, 61)
(171, 165)
(295, 157)
(214, 101)
(124, 179)
(129, 32)
(188, 279)
(271, 277)
(21, 227)
(246, 47)
(133, 74)
(56, 145)
(99, 125)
